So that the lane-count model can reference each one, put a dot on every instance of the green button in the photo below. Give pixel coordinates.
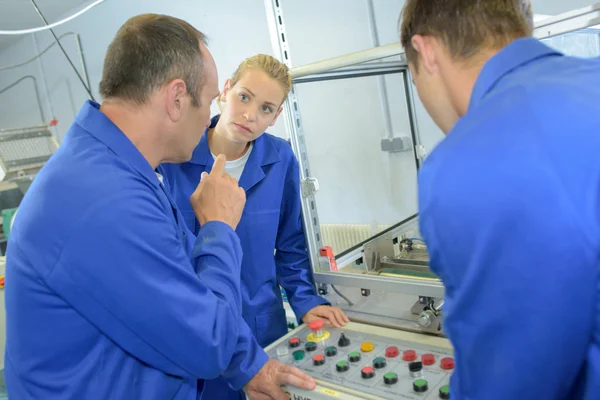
(420, 382)
(310, 346)
(445, 389)
(342, 363)
(299, 355)
(390, 375)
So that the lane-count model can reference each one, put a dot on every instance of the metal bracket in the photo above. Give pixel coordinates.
(376, 249)
(429, 311)
(395, 144)
(309, 186)
(421, 151)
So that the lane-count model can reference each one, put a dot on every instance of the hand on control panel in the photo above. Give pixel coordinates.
(266, 384)
(332, 315)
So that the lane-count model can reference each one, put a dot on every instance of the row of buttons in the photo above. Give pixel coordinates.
(390, 352)
(391, 378)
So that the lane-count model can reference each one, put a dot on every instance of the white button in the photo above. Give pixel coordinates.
(282, 351)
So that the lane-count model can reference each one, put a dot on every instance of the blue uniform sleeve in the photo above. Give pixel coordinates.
(519, 269)
(125, 270)
(291, 257)
(248, 359)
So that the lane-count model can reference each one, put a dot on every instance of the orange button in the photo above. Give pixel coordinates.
(367, 346)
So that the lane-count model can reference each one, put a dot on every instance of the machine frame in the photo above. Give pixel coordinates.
(372, 62)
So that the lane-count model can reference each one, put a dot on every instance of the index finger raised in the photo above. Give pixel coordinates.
(219, 166)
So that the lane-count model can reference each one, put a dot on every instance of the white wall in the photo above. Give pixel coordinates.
(18, 105)
(350, 115)
(243, 20)
(343, 120)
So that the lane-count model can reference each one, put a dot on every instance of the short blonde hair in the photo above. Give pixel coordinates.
(271, 66)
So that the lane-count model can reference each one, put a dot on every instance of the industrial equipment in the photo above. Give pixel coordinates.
(395, 347)
(23, 152)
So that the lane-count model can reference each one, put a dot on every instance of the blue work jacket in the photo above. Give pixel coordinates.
(509, 208)
(105, 296)
(271, 221)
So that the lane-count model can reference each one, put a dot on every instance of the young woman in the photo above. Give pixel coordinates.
(267, 169)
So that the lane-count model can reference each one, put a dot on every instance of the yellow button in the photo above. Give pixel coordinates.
(367, 346)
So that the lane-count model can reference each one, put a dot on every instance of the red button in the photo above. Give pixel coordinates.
(447, 363)
(316, 325)
(409, 355)
(428, 359)
(294, 342)
(367, 372)
(318, 357)
(392, 352)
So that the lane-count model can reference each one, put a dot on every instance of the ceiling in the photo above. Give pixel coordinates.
(20, 14)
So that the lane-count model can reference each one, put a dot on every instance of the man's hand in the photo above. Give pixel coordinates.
(266, 383)
(332, 315)
(218, 197)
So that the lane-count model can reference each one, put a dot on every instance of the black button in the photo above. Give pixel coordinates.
(310, 346)
(344, 341)
(415, 366)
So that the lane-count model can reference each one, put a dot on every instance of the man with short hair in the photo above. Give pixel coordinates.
(508, 201)
(108, 295)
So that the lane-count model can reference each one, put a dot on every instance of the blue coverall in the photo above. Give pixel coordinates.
(271, 221)
(509, 208)
(105, 297)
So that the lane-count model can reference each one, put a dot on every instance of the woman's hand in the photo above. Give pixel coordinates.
(332, 315)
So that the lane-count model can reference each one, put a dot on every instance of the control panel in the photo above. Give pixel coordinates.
(367, 362)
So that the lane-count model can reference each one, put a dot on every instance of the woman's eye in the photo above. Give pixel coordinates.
(243, 97)
(267, 109)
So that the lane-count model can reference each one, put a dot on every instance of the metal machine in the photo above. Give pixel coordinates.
(395, 347)
(23, 152)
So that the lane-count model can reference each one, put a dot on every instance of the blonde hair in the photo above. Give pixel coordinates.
(271, 66)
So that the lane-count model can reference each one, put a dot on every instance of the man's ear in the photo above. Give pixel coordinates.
(425, 46)
(176, 97)
(226, 89)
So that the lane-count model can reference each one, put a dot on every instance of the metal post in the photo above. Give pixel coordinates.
(412, 119)
(82, 62)
(385, 101)
(292, 119)
(44, 83)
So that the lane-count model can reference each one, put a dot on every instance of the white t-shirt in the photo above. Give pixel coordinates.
(236, 167)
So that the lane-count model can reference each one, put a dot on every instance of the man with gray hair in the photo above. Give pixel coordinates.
(108, 295)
